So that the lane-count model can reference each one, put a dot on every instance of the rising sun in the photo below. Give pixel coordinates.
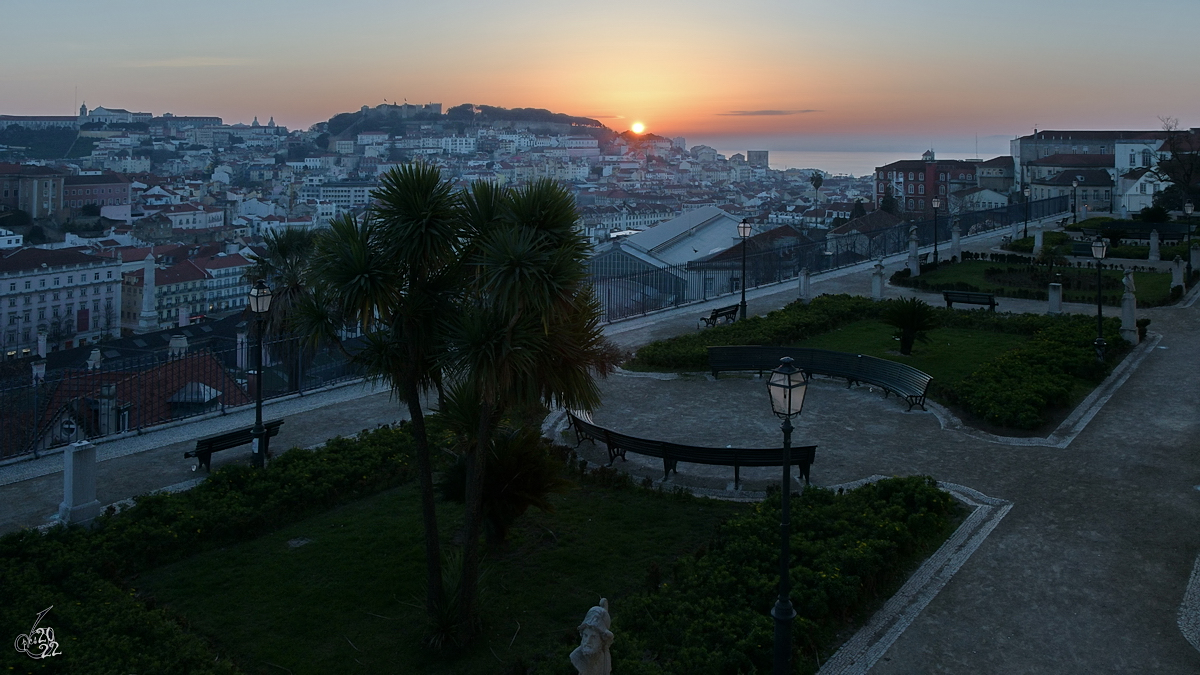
(638, 127)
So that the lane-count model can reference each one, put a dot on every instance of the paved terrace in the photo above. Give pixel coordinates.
(1085, 574)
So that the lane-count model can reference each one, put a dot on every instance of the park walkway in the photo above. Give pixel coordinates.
(1084, 575)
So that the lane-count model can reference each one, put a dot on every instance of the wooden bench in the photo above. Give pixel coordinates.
(206, 446)
(894, 378)
(969, 298)
(729, 313)
(672, 454)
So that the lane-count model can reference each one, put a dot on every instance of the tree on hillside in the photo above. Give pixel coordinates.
(858, 211)
(888, 203)
(1178, 164)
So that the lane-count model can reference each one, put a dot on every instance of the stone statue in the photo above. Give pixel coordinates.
(591, 657)
(1128, 281)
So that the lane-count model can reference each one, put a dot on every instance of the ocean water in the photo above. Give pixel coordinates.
(855, 163)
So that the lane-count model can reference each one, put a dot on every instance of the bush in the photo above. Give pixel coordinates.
(711, 613)
(103, 626)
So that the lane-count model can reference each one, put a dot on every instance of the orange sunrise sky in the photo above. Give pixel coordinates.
(822, 75)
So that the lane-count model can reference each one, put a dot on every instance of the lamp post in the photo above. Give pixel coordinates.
(936, 203)
(786, 388)
(1075, 201)
(1188, 207)
(743, 230)
(260, 304)
(1026, 191)
(1099, 249)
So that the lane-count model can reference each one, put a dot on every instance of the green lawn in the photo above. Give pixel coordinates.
(1153, 288)
(332, 606)
(950, 355)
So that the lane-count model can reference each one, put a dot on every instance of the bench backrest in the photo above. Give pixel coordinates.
(858, 367)
(968, 296)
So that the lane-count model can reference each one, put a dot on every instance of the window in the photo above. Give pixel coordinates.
(921, 203)
(1133, 159)
(96, 277)
(41, 283)
(921, 188)
(108, 277)
(56, 295)
(911, 204)
(910, 188)
(1107, 195)
(941, 189)
(56, 280)
(26, 285)
(1147, 158)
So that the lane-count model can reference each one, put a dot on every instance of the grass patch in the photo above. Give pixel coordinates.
(950, 355)
(301, 608)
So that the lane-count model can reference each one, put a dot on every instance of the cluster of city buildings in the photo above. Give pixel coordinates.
(157, 223)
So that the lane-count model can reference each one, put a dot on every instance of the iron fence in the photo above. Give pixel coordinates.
(634, 286)
(136, 393)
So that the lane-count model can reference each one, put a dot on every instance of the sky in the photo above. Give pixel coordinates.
(835, 75)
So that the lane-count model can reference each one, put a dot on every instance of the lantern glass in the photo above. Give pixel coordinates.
(260, 297)
(1026, 190)
(1188, 208)
(786, 387)
(936, 202)
(1099, 249)
(743, 229)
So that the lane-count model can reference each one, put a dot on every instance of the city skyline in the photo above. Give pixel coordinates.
(801, 76)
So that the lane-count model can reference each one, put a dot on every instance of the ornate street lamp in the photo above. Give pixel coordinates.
(1027, 192)
(743, 230)
(1075, 201)
(1188, 207)
(936, 203)
(1099, 249)
(786, 388)
(260, 304)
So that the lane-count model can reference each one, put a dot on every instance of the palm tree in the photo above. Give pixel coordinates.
(394, 275)
(285, 267)
(912, 318)
(527, 330)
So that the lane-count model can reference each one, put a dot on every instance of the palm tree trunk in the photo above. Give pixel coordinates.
(434, 591)
(469, 584)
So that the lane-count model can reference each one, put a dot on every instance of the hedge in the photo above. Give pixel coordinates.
(100, 622)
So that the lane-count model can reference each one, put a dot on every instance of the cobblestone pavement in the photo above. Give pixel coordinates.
(1085, 574)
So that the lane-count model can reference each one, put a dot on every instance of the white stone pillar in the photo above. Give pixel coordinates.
(1037, 239)
(805, 285)
(1129, 329)
(877, 281)
(1177, 272)
(1154, 254)
(914, 262)
(79, 484)
(184, 317)
(956, 242)
(243, 350)
(1055, 299)
(41, 344)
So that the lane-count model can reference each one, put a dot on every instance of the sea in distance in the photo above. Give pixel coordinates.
(855, 163)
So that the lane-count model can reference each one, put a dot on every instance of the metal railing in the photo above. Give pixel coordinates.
(632, 286)
(136, 393)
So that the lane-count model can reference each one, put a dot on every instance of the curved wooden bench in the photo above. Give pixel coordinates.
(892, 377)
(672, 454)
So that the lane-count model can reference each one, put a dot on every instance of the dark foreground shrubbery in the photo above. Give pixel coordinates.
(711, 612)
(101, 626)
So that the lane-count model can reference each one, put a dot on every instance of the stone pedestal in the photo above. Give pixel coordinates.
(1055, 299)
(79, 484)
(1177, 272)
(914, 262)
(805, 285)
(1154, 254)
(1129, 329)
(1037, 239)
(877, 281)
(956, 243)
